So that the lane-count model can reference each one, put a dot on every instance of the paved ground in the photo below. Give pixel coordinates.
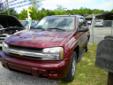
(14, 78)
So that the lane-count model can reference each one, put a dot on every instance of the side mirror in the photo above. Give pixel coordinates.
(84, 29)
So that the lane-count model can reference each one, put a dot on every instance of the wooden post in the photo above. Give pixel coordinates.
(110, 78)
(92, 28)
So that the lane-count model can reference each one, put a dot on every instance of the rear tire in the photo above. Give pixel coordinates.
(72, 69)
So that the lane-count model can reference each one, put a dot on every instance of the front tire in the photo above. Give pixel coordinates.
(72, 69)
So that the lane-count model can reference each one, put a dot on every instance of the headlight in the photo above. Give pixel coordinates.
(56, 52)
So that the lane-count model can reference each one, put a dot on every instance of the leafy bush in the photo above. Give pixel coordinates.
(38, 14)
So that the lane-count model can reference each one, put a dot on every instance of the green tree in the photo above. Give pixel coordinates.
(97, 11)
(23, 15)
(112, 10)
(39, 14)
(11, 12)
(33, 13)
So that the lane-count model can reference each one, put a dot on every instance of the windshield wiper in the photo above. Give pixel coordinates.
(56, 29)
(15, 27)
(40, 28)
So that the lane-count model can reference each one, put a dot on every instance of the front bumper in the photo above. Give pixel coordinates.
(49, 69)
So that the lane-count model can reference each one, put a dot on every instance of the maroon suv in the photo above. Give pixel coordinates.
(50, 50)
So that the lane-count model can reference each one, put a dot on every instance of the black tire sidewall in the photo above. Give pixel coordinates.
(69, 77)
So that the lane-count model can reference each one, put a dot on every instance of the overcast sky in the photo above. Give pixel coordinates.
(75, 4)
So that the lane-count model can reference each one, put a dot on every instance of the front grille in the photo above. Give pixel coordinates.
(23, 57)
(28, 52)
(2, 38)
(28, 49)
(2, 35)
(1, 41)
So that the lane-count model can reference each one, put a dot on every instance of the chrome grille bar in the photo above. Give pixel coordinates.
(30, 54)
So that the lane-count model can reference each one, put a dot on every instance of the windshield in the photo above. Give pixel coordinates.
(56, 23)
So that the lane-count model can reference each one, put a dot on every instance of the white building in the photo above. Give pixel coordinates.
(19, 5)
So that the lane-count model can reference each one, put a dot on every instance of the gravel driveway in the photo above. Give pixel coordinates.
(14, 78)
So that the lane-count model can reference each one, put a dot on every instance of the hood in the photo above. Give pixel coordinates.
(9, 24)
(38, 39)
(6, 21)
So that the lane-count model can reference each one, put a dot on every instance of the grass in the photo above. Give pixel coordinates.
(87, 73)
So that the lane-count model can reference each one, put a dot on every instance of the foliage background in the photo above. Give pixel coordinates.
(37, 14)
